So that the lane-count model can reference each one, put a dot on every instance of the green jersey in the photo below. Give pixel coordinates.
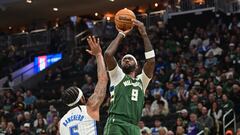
(127, 95)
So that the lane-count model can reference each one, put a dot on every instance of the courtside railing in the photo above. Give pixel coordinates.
(233, 120)
(201, 132)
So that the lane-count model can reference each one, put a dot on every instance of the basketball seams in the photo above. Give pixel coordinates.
(123, 19)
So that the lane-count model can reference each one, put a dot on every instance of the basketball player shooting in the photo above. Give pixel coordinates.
(81, 118)
(126, 88)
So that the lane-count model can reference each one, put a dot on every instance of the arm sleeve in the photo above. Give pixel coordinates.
(116, 75)
(145, 80)
(218, 115)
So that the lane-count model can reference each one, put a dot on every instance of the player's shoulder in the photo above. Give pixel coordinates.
(70, 112)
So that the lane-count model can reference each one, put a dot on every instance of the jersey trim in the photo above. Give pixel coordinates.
(145, 80)
(116, 75)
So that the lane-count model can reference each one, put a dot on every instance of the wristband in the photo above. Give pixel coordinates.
(121, 33)
(149, 54)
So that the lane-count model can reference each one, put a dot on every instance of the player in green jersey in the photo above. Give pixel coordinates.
(126, 88)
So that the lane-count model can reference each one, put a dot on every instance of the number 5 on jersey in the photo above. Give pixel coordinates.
(134, 95)
(74, 130)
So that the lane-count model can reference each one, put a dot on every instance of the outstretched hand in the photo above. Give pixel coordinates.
(140, 26)
(94, 45)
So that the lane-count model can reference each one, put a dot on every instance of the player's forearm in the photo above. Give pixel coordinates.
(101, 69)
(111, 50)
(102, 78)
(147, 44)
(149, 55)
(98, 96)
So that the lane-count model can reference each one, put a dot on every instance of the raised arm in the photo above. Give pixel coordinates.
(112, 48)
(95, 101)
(149, 52)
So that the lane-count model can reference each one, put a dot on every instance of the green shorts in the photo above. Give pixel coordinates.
(120, 127)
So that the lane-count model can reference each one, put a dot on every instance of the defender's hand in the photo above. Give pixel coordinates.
(141, 27)
(94, 46)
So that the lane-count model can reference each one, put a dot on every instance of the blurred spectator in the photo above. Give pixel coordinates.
(219, 94)
(159, 106)
(148, 97)
(8, 101)
(180, 130)
(235, 97)
(199, 109)
(155, 129)
(90, 66)
(193, 104)
(184, 116)
(196, 41)
(143, 129)
(157, 89)
(163, 131)
(51, 114)
(9, 82)
(10, 129)
(182, 91)
(179, 122)
(18, 122)
(226, 104)
(171, 91)
(27, 130)
(40, 126)
(43, 132)
(170, 132)
(206, 121)
(78, 66)
(194, 126)
(39, 117)
(29, 98)
(216, 113)
(52, 129)
(215, 50)
(19, 105)
(147, 109)
(88, 87)
(3, 126)
(176, 76)
(28, 118)
(211, 60)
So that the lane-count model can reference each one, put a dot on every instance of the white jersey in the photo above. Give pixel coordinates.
(77, 122)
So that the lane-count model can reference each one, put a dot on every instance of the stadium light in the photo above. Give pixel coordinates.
(96, 14)
(55, 9)
(29, 1)
(156, 4)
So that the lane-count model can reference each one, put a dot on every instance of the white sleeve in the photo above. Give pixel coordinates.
(145, 80)
(116, 75)
(219, 114)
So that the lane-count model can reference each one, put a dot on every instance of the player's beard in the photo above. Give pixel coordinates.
(128, 69)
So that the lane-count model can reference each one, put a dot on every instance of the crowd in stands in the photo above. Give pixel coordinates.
(196, 82)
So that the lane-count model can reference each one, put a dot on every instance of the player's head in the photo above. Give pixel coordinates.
(128, 63)
(73, 96)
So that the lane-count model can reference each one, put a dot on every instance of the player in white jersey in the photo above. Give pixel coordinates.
(81, 119)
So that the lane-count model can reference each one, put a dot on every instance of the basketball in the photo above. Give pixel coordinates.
(123, 19)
